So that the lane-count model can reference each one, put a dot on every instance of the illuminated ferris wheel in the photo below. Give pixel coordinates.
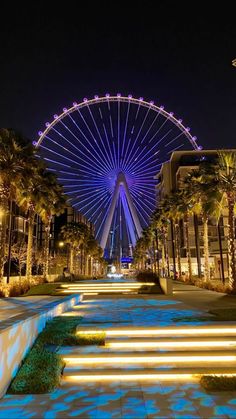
(106, 152)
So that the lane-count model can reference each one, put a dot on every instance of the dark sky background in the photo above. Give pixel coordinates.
(179, 60)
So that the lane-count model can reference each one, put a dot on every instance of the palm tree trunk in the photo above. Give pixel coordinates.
(3, 214)
(157, 255)
(46, 250)
(206, 249)
(221, 254)
(178, 254)
(188, 251)
(31, 216)
(198, 252)
(231, 245)
(173, 247)
(71, 260)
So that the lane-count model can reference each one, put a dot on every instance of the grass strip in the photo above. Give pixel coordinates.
(41, 370)
(216, 383)
(42, 289)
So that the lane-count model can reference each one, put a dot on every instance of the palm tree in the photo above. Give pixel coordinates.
(226, 176)
(53, 203)
(74, 234)
(16, 155)
(206, 200)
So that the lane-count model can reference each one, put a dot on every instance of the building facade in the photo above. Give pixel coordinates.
(170, 178)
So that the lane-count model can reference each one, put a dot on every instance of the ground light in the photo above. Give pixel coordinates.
(187, 344)
(151, 359)
(131, 377)
(168, 332)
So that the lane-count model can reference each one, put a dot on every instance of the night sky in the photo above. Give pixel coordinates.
(179, 60)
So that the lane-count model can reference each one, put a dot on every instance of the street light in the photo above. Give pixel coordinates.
(61, 244)
(234, 62)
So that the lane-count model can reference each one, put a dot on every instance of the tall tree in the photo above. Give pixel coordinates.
(226, 176)
(16, 155)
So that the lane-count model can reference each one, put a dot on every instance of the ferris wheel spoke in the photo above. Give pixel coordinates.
(94, 199)
(124, 135)
(137, 136)
(174, 139)
(98, 132)
(150, 150)
(109, 157)
(79, 151)
(176, 148)
(131, 133)
(86, 163)
(107, 140)
(99, 157)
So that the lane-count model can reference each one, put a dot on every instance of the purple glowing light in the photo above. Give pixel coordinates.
(55, 116)
(64, 109)
(194, 138)
(75, 103)
(47, 124)
(151, 102)
(171, 113)
(130, 96)
(162, 107)
(34, 142)
(187, 129)
(118, 94)
(107, 94)
(141, 99)
(96, 97)
(86, 100)
(180, 121)
(40, 133)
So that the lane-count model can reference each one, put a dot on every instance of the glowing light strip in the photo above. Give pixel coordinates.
(150, 359)
(131, 377)
(177, 331)
(187, 344)
(111, 284)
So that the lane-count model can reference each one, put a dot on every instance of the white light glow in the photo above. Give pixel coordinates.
(151, 359)
(131, 377)
(189, 344)
(170, 332)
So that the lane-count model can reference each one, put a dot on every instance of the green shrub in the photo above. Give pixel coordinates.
(42, 289)
(215, 383)
(91, 339)
(147, 276)
(60, 331)
(41, 370)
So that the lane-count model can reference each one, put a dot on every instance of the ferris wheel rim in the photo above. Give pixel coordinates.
(118, 98)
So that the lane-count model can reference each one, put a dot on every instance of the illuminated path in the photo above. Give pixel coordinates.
(134, 398)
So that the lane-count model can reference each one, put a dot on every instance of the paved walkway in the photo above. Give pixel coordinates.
(201, 298)
(135, 399)
(23, 306)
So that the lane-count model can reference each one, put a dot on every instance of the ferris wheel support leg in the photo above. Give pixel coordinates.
(121, 181)
(108, 221)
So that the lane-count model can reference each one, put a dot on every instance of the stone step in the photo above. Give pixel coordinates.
(187, 358)
(154, 347)
(177, 331)
(92, 374)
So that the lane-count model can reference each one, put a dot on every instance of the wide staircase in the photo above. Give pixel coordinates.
(107, 287)
(153, 353)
